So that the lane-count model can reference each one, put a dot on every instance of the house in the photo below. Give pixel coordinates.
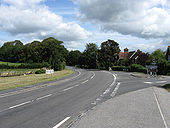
(168, 54)
(133, 57)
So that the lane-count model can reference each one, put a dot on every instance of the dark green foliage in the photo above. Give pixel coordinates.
(40, 71)
(137, 68)
(119, 68)
(49, 50)
(73, 58)
(109, 54)
(161, 61)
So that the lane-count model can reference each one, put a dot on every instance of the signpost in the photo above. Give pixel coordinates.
(49, 72)
(152, 69)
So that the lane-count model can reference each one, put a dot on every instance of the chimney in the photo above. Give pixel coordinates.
(126, 50)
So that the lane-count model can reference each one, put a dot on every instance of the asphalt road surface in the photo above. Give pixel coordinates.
(56, 104)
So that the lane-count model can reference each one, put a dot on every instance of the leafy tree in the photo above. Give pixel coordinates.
(161, 61)
(90, 56)
(73, 58)
(109, 54)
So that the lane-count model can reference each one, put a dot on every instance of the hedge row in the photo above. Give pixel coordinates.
(23, 66)
(131, 68)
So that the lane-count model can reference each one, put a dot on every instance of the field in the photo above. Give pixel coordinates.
(25, 80)
(13, 64)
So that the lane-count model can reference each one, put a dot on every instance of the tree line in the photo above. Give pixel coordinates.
(53, 52)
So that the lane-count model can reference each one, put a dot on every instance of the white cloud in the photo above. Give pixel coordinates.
(73, 45)
(30, 19)
(142, 18)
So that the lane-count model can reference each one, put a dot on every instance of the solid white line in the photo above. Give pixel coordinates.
(163, 118)
(19, 105)
(44, 97)
(62, 122)
(84, 81)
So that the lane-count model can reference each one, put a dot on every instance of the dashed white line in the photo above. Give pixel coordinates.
(19, 105)
(68, 88)
(62, 122)
(148, 82)
(44, 97)
(163, 118)
(84, 81)
(115, 90)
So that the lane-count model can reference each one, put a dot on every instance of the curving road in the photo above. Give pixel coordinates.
(50, 104)
(58, 103)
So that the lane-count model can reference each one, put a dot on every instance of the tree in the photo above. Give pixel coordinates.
(90, 56)
(109, 54)
(12, 51)
(73, 58)
(54, 53)
(161, 61)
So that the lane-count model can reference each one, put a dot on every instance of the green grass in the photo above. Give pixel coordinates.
(9, 63)
(25, 80)
(11, 70)
(167, 87)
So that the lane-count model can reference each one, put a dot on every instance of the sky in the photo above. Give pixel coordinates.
(135, 24)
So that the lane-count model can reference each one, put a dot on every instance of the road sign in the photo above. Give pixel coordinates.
(50, 71)
(151, 66)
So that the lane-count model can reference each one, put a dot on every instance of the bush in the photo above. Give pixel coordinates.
(137, 68)
(119, 68)
(40, 71)
(34, 65)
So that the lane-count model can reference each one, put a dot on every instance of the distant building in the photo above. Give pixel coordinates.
(133, 57)
(168, 54)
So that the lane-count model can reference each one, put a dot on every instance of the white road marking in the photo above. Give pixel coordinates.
(77, 85)
(148, 82)
(106, 91)
(84, 81)
(19, 105)
(159, 82)
(163, 118)
(115, 90)
(68, 88)
(98, 99)
(44, 97)
(93, 75)
(62, 122)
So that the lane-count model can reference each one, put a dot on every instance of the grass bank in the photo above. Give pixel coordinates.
(10, 64)
(25, 80)
(167, 87)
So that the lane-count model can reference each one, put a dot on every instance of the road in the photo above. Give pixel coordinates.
(56, 104)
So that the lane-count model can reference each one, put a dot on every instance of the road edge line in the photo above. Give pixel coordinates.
(62, 122)
(159, 107)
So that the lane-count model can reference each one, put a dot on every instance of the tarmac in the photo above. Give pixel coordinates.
(146, 108)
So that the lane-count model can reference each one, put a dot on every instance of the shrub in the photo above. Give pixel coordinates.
(40, 71)
(137, 68)
(34, 65)
(119, 68)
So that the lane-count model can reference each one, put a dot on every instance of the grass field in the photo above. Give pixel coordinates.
(25, 80)
(13, 64)
(167, 86)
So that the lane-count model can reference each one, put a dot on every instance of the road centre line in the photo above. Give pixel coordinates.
(62, 122)
(84, 81)
(163, 118)
(115, 90)
(18, 105)
(93, 75)
(44, 97)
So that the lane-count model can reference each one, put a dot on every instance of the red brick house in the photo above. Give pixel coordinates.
(133, 57)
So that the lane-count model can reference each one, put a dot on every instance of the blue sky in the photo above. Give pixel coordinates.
(133, 24)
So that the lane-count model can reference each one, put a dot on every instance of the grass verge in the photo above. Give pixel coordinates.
(167, 87)
(9, 63)
(25, 80)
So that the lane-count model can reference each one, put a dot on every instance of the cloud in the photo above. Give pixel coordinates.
(73, 45)
(31, 19)
(142, 18)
